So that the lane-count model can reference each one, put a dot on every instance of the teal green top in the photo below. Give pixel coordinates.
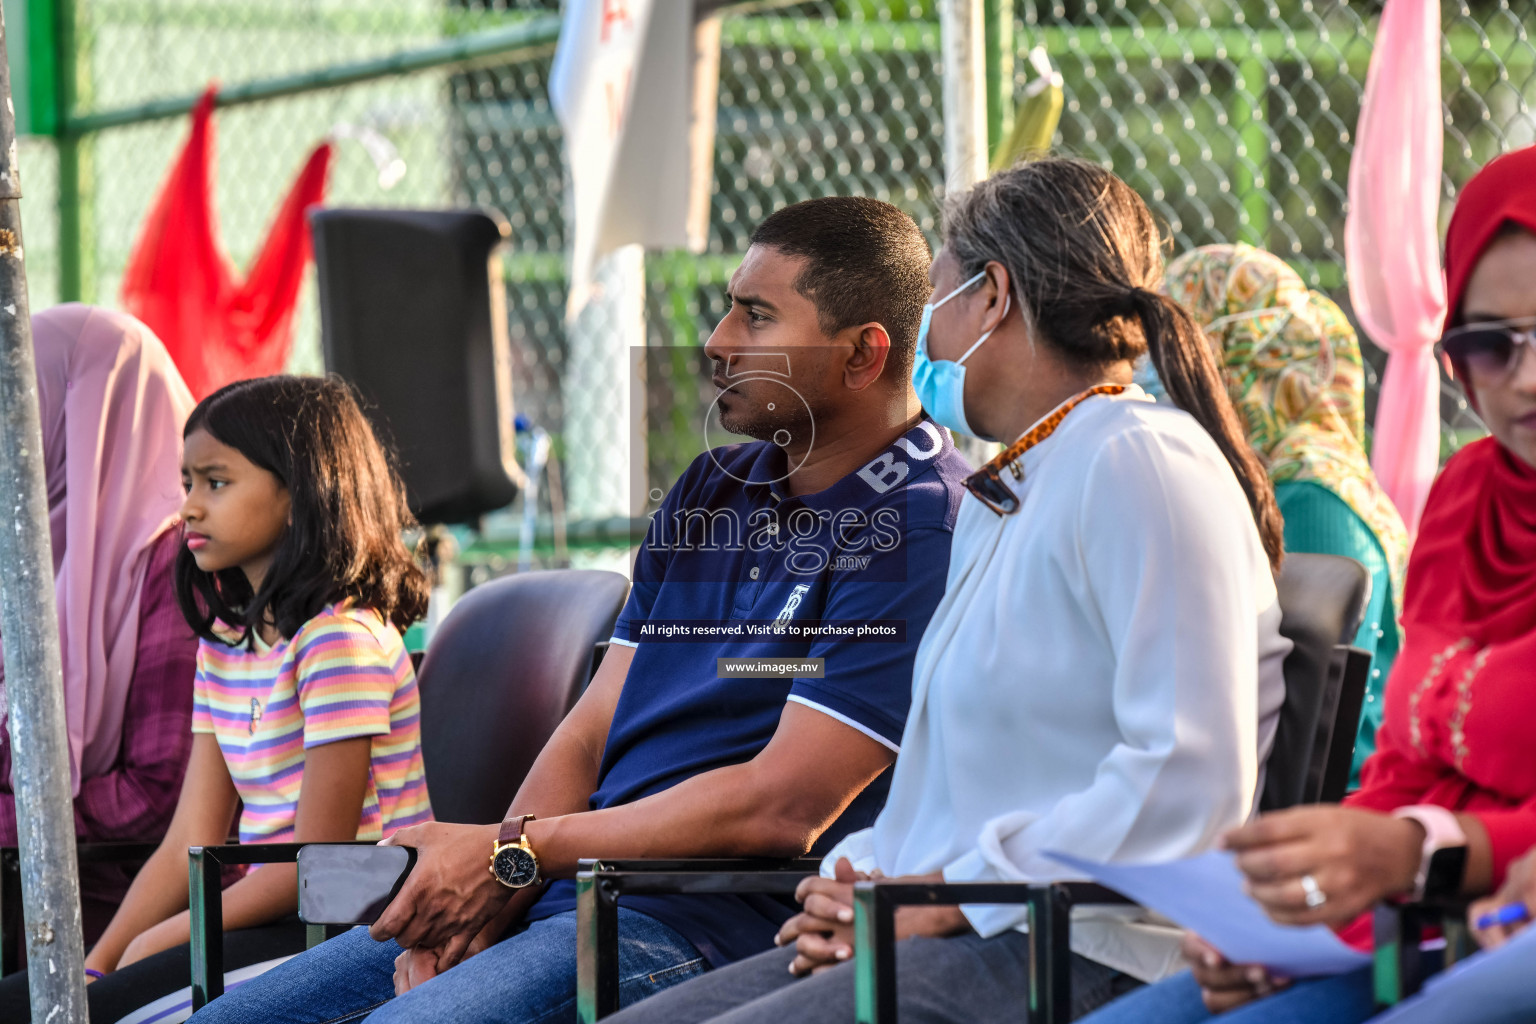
(1317, 520)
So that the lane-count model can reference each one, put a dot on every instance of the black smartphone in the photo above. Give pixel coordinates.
(348, 884)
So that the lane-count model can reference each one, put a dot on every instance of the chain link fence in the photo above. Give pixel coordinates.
(1233, 118)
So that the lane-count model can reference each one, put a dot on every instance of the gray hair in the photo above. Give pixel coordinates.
(1084, 257)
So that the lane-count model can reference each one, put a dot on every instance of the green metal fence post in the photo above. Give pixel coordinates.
(77, 197)
(1000, 50)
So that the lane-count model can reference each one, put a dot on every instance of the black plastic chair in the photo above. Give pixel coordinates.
(1323, 600)
(504, 668)
(1322, 603)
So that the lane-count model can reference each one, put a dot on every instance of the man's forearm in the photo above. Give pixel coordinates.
(719, 813)
(561, 781)
(775, 805)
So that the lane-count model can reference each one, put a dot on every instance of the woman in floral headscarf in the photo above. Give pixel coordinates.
(1292, 366)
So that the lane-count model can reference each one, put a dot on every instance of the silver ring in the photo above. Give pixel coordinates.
(1315, 896)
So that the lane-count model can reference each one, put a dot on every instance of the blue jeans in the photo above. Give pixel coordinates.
(1341, 999)
(527, 978)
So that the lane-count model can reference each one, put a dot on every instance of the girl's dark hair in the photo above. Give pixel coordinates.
(1085, 258)
(348, 511)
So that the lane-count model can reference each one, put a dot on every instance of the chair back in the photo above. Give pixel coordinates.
(1322, 602)
(502, 670)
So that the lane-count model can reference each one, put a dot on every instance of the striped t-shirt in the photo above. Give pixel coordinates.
(345, 674)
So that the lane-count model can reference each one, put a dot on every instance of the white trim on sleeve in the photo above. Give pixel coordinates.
(622, 643)
(866, 730)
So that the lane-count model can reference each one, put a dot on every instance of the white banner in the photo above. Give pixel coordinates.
(634, 85)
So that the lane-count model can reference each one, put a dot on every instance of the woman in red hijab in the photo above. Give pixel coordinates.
(1449, 798)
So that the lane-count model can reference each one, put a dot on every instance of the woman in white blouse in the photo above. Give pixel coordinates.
(1103, 675)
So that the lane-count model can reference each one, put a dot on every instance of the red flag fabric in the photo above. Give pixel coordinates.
(181, 284)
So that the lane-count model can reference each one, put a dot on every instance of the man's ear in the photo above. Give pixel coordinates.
(868, 353)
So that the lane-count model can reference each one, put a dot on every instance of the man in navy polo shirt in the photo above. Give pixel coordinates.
(759, 676)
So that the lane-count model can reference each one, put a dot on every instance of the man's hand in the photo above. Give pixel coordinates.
(420, 964)
(1354, 857)
(449, 896)
(414, 967)
(1519, 888)
(1223, 985)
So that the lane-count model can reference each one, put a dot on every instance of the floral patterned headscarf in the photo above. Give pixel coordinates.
(1292, 366)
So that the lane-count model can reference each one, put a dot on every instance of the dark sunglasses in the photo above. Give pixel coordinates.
(1489, 350)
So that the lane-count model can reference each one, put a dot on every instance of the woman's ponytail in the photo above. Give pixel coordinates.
(1192, 380)
(1082, 249)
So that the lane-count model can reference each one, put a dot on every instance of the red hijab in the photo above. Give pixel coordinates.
(1473, 569)
(1504, 190)
(1475, 559)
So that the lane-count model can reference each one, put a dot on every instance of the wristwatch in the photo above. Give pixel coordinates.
(1443, 857)
(513, 862)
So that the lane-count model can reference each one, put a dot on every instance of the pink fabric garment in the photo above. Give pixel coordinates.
(113, 407)
(1392, 248)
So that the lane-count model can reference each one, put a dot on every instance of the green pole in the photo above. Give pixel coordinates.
(998, 15)
(534, 35)
(76, 255)
(1250, 104)
(77, 235)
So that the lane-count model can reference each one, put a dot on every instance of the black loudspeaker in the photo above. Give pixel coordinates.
(412, 313)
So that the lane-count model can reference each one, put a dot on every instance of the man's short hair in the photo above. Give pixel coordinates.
(866, 261)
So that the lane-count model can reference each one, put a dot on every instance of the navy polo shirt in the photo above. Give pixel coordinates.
(734, 567)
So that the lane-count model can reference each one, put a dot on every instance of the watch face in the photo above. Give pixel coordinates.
(515, 867)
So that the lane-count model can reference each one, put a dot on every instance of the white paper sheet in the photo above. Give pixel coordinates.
(1205, 895)
(1495, 987)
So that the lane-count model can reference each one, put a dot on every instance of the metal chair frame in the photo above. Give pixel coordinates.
(600, 883)
(205, 873)
(1399, 967)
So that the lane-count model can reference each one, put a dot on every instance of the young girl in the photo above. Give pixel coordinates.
(295, 577)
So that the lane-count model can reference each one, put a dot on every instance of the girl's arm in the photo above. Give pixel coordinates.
(330, 807)
(203, 816)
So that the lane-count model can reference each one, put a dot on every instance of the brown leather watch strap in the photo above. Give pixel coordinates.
(512, 828)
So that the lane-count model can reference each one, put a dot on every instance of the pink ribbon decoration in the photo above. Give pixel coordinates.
(1392, 245)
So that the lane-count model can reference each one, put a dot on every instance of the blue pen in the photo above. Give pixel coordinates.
(1513, 913)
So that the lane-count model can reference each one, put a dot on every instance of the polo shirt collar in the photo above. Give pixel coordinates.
(767, 474)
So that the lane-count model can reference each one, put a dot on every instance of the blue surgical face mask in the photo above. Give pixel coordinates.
(1144, 375)
(940, 383)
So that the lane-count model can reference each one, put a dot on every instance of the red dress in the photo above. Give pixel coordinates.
(1459, 723)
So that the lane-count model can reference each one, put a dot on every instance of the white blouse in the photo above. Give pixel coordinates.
(1102, 677)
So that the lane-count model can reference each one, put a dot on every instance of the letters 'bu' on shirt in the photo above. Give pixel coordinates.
(344, 675)
(734, 567)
